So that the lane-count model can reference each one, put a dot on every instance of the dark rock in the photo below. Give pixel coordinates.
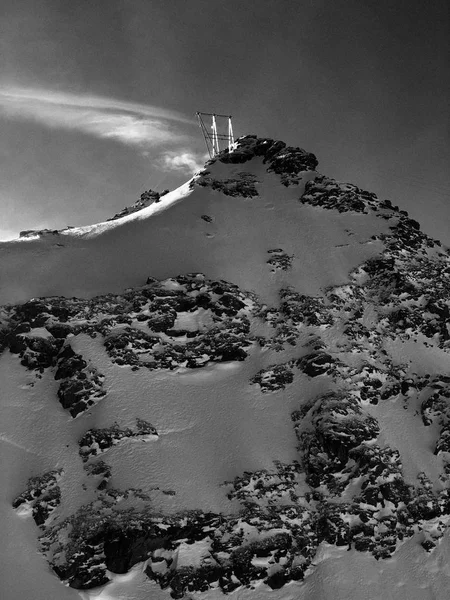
(317, 363)
(43, 495)
(283, 160)
(275, 377)
(148, 197)
(123, 549)
(69, 367)
(279, 261)
(34, 312)
(327, 193)
(304, 309)
(242, 185)
(97, 441)
(60, 330)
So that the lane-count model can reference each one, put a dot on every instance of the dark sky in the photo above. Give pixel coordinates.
(97, 99)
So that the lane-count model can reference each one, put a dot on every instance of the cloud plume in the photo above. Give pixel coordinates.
(183, 161)
(130, 123)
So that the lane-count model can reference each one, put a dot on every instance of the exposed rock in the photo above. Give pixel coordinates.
(36, 353)
(28, 233)
(82, 384)
(148, 197)
(279, 260)
(41, 497)
(99, 470)
(98, 441)
(242, 185)
(346, 488)
(317, 363)
(343, 197)
(338, 425)
(307, 310)
(286, 161)
(274, 378)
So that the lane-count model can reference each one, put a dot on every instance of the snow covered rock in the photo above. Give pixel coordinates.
(282, 336)
(98, 441)
(146, 199)
(285, 161)
(242, 185)
(41, 498)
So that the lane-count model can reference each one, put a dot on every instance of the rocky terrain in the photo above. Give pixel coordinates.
(347, 485)
(146, 199)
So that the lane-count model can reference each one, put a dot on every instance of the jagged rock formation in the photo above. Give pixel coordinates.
(42, 497)
(285, 161)
(146, 199)
(347, 486)
(139, 329)
(98, 441)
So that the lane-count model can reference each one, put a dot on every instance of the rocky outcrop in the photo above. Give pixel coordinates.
(100, 471)
(286, 161)
(36, 353)
(345, 488)
(300, 309)
(243, 185)
(342, 197)
(41, 497)
(139, 329)
(274, 539)
(146, 199)
(29, 233)
(279, 260)
(82, 384)
(275, 377)
(98, 441)
(336, 424)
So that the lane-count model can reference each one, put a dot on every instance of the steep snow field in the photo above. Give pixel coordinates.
(170, 238)
(212, 424)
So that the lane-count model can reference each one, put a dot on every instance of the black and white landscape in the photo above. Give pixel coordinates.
(240, 390)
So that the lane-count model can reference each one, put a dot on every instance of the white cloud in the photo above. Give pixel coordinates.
(184, 161)
(130, 123)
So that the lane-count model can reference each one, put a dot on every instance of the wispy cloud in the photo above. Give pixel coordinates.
(130, 123)
(183, 161)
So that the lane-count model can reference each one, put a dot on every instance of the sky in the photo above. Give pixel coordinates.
(98, 99)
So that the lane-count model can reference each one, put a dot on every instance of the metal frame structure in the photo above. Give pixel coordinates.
(212, 139)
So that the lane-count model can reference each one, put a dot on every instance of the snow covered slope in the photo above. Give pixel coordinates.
(230, 242)
(241, 389)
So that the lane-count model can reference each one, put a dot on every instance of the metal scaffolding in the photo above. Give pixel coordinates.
(213, 138)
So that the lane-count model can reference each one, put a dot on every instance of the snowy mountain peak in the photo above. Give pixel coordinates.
(240, 388)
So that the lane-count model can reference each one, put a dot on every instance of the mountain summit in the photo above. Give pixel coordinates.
(242, 389)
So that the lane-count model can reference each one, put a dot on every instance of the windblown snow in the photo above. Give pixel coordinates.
(241, 389)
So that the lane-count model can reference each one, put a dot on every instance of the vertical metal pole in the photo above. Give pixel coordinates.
(206, 135)
(230, 134)
(215, 139)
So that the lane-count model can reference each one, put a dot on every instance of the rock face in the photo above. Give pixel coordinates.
(138, 329)
(42, 497)
(285, 161)
(347, 486)
(279, 260)
(98, 441)
(146, 199)
(243, 185)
